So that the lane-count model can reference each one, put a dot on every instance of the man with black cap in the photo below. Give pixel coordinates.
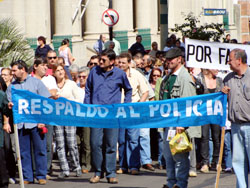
(176, 85)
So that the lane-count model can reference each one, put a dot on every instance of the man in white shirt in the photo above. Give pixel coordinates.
(129, 148)
(40, 68)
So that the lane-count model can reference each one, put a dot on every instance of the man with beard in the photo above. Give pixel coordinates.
(29, 132)
(176, 85)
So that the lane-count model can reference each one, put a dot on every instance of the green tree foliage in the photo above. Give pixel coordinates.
(193, 30)
(13, 46)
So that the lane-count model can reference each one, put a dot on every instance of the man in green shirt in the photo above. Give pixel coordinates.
(176, 85)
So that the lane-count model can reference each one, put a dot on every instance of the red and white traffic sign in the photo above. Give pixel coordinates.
(110, 17)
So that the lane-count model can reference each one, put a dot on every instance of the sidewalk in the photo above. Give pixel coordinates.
(146, 179)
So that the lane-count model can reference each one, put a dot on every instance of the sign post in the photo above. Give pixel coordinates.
(110, 17)
(110, 27)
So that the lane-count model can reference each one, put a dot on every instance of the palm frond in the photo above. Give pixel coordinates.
(13, 45)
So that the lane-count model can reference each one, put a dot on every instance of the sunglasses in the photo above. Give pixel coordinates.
(156, 75)
(52, 57)
(92, 64)
(82, 76)
(104, 60)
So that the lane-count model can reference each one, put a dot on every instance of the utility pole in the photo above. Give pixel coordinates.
(164, 21)
(110, 27)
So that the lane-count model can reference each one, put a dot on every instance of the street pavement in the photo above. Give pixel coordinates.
(146, 179)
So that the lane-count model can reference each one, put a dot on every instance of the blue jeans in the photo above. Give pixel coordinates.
(103, 145)
(177, 166)
(129, 149)
(145, 151)
(227, 149)
(161, 160)
(26, 136)
(241, 152)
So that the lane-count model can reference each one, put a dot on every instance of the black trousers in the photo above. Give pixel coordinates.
(4, 177)
(215, 134)
(10, 159)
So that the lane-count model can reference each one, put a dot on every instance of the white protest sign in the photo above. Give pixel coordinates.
(211, 55)
(110, 17)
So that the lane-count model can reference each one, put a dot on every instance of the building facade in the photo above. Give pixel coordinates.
(153, 19)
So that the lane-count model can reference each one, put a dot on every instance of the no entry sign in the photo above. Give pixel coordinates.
(110, 17)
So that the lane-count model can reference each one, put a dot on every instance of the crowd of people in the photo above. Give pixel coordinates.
(114, 77)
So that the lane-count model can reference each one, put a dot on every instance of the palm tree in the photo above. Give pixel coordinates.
(13, 45)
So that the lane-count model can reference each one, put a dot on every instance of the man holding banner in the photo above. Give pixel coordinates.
(237, 86)
(176, 85)
(104, 86)
(30, 132)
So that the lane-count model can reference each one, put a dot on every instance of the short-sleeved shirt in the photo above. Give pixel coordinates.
(238, 97)
(33, 85)
(50, 82)
(138, 84)
(42, 52)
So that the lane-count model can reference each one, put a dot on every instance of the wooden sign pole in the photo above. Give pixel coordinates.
(220, 158)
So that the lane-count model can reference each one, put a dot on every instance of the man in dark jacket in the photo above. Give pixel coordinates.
(137, 47)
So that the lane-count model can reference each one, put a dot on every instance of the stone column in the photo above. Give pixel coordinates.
(125, 11)
(63, 15)
(93, 19)
(124, 28)
(18, 13)
(37, 19)
(171, 14)
(143, 20)
(93, 25)
(230, 9)
(77, 25)
(63, 22)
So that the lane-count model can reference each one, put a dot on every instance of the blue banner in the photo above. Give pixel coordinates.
(184, 112)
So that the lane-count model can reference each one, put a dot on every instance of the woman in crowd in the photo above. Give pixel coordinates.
(6, 75)
(43, 48)
(156, 73)
(9, 140)
(84, 132)
(65, 52)
(158, 63)
(66, 134)
(212, 84)
(4, 111)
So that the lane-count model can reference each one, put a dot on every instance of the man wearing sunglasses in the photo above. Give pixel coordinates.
(104, 86)
(52, 60)
(94, 61)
